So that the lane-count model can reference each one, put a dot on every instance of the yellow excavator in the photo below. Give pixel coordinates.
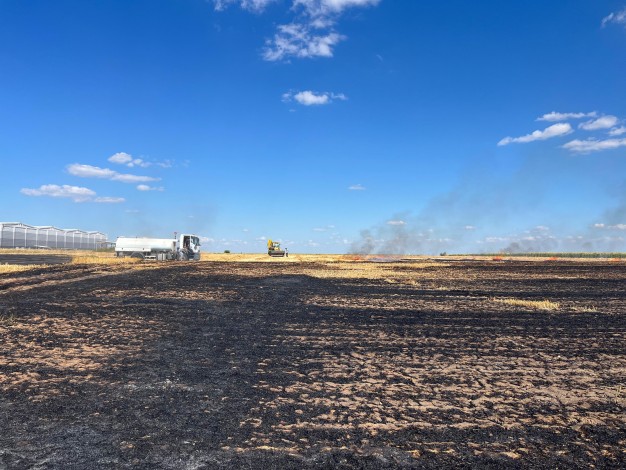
(273, 249)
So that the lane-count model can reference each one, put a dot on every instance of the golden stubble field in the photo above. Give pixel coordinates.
(314, 361)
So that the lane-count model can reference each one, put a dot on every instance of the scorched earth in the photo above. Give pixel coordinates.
(331, 364)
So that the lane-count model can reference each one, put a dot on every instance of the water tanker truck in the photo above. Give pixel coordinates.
(182, 247)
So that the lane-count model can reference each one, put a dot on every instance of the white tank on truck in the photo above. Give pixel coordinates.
(182, 247)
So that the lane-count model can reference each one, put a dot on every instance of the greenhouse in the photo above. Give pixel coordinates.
(19, 235)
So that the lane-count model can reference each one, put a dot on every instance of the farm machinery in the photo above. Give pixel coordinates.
(273, 249)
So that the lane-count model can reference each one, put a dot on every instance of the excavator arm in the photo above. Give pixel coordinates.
(273, 248)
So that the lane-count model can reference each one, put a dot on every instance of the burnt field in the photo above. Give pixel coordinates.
(314, 365)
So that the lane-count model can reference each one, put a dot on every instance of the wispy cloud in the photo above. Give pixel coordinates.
(312, 98)
(357, 187)
(251, 5)
(556, 117)
(145, 187)
(126, 178)
(318, 8)
(594, 145)
(617, 131)
(109, 200)
(324, 229)
(123, 158)
(554, 130)
(610, 227)
(604, 122)
(75, 193)
(599, 124)
(301, 41)
(616, 17)
(89, 171)
(396, 222)
(310, 34)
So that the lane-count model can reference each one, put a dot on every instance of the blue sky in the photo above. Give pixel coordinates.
(332, 125)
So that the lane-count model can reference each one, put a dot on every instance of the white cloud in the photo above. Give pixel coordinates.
(311, 34)
(312, 7)
(330, 7)
(299, 40)
(396, 222)
(145, 187)
(109, 200)
(610, 227)
(617, 131)
(594, 145)
(555, 117)
(554, 130)
(356, 187)
(496, 239)
(251, 5)
(604, 122)
(308, 98)
(324, 229)
(617, 18)
(89, 171)
(121, 157)
(312, 98)
(470, 227)
(139, 162)
(126, 178)
(75, 193)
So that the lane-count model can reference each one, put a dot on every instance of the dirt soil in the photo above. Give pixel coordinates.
(314, 365)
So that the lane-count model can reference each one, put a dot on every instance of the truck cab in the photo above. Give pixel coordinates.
(188, 247)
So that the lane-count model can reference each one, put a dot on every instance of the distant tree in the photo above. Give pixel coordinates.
(226, 251)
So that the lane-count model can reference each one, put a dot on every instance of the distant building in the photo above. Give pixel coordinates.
(19, 235)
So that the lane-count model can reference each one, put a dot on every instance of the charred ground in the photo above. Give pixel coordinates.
(291, 365)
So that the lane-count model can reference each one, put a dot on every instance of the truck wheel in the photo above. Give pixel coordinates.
(137, 255)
